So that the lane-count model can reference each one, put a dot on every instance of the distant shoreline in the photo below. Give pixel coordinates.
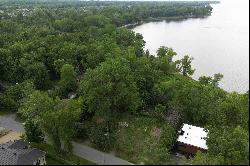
(174, 18)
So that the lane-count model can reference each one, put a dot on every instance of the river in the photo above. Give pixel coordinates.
(218, 43)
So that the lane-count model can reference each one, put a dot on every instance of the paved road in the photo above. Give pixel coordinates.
(8, 122)
(98, 157)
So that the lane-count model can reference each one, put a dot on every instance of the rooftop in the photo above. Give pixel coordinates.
(18, 153)
(192, 135)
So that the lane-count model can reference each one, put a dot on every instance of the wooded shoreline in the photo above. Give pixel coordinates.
(168, 19)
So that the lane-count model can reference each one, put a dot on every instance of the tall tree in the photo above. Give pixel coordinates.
(33, 132)
(39, 73)
(59, 125)
(110, 87)
(165, 60)
(205, 80)
(68, 79)
(235, 110)
(232, 145)
(216, 79)
(37, 103)
(55, 118)
(184, 66)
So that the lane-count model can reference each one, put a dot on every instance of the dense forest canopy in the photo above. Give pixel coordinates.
(118, 12)
(71, 71)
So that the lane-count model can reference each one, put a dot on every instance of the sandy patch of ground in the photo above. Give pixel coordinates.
(10, 136)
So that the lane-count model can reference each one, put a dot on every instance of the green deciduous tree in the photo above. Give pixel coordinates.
(58, 65)
(216, 79)
(7, 104)
(38, 72)
(55, 118)
(36, 105)
(184, 66)
(110, 87)
(232, 145)
(205, 80)
(235, 110)
(33, 132)
(211, 81)
(198, 102)
(68, 80)
(204, 159)
(146, 76)
(165, 60)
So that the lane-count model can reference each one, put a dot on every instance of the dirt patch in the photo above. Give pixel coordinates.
(10, 136)
(156, 132)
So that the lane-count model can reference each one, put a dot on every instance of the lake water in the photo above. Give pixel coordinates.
(218, 43)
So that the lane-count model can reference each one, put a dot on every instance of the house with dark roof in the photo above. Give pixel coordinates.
(18, 152)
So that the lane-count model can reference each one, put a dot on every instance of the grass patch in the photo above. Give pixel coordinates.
(51, 161)
(53, 158)
(19, 118)
(2, 113)
(137, 138)
(144, 140)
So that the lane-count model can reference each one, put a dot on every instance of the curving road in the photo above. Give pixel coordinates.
(8, 121)
(98, 157)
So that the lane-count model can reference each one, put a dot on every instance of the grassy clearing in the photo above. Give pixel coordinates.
(131, 140)
(53, 158)
(143, 139)
(137, 138)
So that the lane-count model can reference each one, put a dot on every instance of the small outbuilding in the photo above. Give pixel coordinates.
(191, 139)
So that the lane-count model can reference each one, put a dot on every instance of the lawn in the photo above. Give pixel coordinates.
(53, 158)
(51, 161)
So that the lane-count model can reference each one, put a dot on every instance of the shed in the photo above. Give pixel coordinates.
(191, 139)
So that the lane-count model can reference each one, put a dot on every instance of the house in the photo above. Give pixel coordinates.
(18, 152)
(191, 139)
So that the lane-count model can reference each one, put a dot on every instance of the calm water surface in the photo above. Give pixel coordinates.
(219, 43)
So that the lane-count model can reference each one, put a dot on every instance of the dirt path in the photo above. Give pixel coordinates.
(11, 136)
